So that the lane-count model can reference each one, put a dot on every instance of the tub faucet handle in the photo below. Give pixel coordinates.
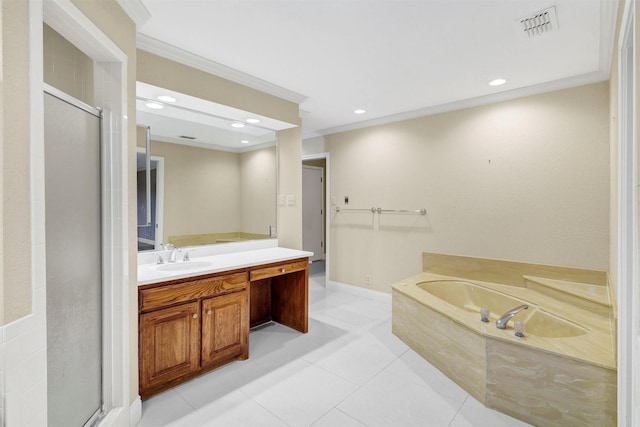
(484, 314)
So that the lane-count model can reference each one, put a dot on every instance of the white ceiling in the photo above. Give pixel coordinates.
(394, 58)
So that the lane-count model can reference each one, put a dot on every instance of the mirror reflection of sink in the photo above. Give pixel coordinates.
(184, 266)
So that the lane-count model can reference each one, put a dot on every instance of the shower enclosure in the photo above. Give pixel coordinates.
(73, 261)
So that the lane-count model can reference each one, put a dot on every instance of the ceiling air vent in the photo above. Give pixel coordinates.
(187, 137)
(538, 23)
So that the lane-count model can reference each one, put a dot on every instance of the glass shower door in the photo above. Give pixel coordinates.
(74, 261)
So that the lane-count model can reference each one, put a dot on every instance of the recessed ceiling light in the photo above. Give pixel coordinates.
(237, 125)
(154, 105)
(244, 141)
(253, 121)
(497, 82)
(166, 98)
(359, 111)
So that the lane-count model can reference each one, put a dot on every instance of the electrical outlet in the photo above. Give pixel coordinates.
(367, 279)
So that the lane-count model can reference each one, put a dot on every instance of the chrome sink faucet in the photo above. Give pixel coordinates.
(501, 323)
(173, 254)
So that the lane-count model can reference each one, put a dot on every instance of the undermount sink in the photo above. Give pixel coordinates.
(184, 266)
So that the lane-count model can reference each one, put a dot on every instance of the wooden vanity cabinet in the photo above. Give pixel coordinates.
(192, 325)
(179, 340)
(225, 329)
(169, 345)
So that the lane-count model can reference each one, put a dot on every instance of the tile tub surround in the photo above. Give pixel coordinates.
(544, 381)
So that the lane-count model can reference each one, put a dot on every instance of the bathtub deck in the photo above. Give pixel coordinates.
(568, 381)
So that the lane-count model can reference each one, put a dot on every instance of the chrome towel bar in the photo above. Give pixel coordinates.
(422, 211)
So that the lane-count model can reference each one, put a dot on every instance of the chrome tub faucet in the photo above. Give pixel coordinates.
(501, 323)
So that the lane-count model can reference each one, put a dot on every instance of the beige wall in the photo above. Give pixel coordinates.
(66, 67)
(258, 190)
(213, 191)
(290, 184)
(200, 185)
(15, 234)
(524, 180)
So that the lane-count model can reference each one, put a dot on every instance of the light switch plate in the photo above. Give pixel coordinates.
(281, 199)
(291, 200)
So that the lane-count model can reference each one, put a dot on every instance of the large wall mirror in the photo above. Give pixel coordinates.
(212, 171)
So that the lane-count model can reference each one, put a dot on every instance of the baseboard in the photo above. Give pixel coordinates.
(359, 291)
(135, 412)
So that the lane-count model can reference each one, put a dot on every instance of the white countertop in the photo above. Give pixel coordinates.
(149, 273)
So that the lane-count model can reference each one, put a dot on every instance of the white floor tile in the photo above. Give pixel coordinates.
(323, 317)
(238, 410)
(378, 309)
(357, 360)
(382, 332)
(389, 400)
(354, 317)
(337, 298)
(300, 393)
(336, 418)
(214, 385)
(164, 409)
(412, 367)
(475, 414)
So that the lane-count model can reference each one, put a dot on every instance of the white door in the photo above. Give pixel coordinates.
(313, 211)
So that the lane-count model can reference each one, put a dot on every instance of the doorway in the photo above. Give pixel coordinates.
(150, 236)
(314, 195)
(73, 231)
(313, 211)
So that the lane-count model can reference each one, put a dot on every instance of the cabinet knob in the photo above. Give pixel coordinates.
(209, 311)
(282, 270)
(195, 315)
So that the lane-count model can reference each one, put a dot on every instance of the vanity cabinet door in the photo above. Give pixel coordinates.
(225, 328)
(169, 344)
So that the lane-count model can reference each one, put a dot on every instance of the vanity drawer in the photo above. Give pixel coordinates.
(190, 290)
(277, 270)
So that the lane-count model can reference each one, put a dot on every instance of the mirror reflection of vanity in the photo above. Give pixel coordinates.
(212, 175)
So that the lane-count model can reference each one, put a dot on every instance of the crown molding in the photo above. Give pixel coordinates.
(165, 50)
(136, 11)
(584, 79)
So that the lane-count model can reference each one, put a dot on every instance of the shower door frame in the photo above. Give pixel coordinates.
(63, 97)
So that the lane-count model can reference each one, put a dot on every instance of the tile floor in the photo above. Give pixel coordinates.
(349, 370)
